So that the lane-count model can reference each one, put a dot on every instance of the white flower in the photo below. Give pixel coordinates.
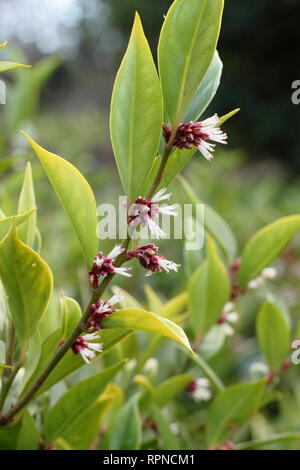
(266, 274)
(210, 127)
(228, 317)
(144, 212)
(258, 370)
(200, 390)
(86, 349)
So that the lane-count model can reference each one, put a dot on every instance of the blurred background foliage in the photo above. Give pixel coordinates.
(75, 47)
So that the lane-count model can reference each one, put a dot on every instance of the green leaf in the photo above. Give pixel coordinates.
(136, 113)
(28, 438)
(75, 195)
(2, 45)
(265, 245)
(28, 282)
(273, 335)
(27, 231)
(169, 439)
(6, 222)
(213, 222)
(206, 90)
(70, 312)
(79, 435)
(126, 432)
(190, 30)
(209, 290)
(137, 319)
(75, 402)
(233, 405)
(170, 388)
(7, 66)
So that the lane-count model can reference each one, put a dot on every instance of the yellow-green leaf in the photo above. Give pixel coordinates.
(27, 280)
(136, 113)
(7, 66)
(75, 195)
(273, 335)
(209, 290)
(137, 319)
(6, 222)
(27, 231)
(265, 245)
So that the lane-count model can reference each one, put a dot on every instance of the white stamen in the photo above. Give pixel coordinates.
(123, 271)
(116, 251)
(161, 196)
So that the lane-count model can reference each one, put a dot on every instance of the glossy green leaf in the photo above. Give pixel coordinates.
(209, 290)
(6, 222)
(27, 231)
(27, 280)
(233, 405)
(265, 245)
(7, 66)
(136, 319)
(273, 335)
(170, 388)
(70, 312)
(191, 29)
(75, 402)
(213, 222)
(75, 195)
(28, 438)
(136, 113)
(154, 302)
(126, 433)
(206, 90)
(79, 435)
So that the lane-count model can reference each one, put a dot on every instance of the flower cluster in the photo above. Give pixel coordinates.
(143, 212)
(86, 349)
(199, 389)
(227, 318)
(101, 310)
(104, 265)
(198, 134)
(151, 260)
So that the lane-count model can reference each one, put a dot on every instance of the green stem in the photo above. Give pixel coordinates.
(208, 372)
(285, 436)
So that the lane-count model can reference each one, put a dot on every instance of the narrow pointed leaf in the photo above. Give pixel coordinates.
(76, 401)
(233, 405)
(27, 231)
(75, 195)
(190, 30)
(206, 90)
(273, 335)
(209, 290)
(7, 66)
(27, 280)
(6, 222)
(266, 245)
(137, 319)
(136, 113)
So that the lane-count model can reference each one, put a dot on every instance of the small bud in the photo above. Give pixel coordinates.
(151, 260)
